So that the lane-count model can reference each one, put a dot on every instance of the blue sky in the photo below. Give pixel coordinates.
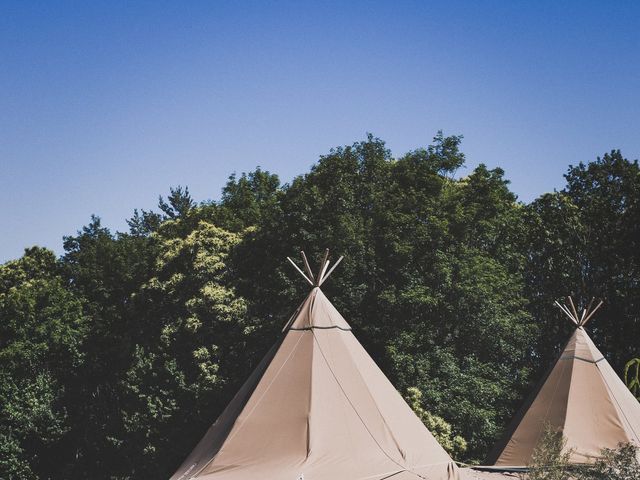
(105, 105)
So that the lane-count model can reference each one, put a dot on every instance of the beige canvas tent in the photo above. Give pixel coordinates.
(317, 408)
(582, 397)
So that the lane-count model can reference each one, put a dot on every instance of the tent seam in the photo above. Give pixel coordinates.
(295, 347)
(378, 410)
(618, 405)
(356, 411)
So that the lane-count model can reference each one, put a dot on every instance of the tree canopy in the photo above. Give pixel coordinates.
(118, 355)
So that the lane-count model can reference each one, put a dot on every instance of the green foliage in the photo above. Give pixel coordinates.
(441, 430)
(116, 357)
(14, 463)
(179, 203)
(430, 281)
(41, 334)
(550, 459)
(585, 241)
(632, 376)
(248, 200)
(106, 270)
(165, 340)
(191, 349)
(614, 464)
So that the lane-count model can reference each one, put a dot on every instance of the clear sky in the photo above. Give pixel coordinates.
(105, 105)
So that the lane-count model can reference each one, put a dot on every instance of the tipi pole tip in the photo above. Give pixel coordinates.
(566, 312)
(593, 312)
(308, 268)
(575, 311)
(322, 275)
(587, 313)
(323, 271)
(323, 266)
(584, 312)
(593, 299)
(330, 271)
(300, 271)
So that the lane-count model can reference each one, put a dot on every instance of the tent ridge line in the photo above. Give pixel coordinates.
(232, 434)
(565, 415)
(353, 407)
(620, 409)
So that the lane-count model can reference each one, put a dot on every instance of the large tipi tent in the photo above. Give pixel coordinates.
(317, 408)
(582, 397)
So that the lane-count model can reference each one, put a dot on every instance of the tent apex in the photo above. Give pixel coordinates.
(580, 320)
(318, 279)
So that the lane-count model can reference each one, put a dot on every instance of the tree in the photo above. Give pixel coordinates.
(179, 203)
(106, 271)
(189, 358)
(41, 335)
(431, 280)
(116, 357)
(248, 200)
(584, 241)
(614, 464)
(455, 445)
(550, 459)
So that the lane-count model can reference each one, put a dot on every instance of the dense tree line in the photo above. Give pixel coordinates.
(115, 357)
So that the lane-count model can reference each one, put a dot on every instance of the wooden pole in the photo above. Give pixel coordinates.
(300, 271)
(324, 270)
(322, 266)
(586, 311)
(566, 312)
(593, 312)
(575, 312)
(332, 269)
(570, 314)
(306, 265)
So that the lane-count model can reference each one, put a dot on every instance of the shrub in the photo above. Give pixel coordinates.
(455, 445)
(614, 464)
(550, 460)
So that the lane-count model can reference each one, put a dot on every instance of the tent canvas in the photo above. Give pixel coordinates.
(317, 408)
(582, 397)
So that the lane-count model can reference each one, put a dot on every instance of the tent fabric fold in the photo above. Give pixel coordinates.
(582, 397)
(317, 408)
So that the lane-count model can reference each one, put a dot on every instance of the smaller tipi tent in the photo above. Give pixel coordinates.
(317, 408)
(582, 397)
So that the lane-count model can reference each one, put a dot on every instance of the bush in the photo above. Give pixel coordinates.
(550, 461)
(615, 464)
(455, 445)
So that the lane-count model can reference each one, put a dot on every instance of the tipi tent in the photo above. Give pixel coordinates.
(582, 397)
(317, 408)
